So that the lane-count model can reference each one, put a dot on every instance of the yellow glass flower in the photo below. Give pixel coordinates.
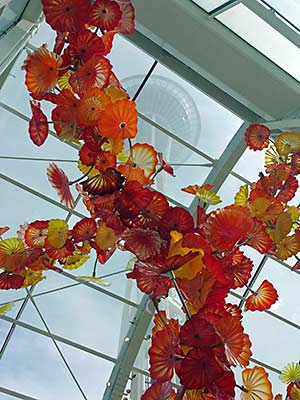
(32, 278)
(86, 169)
(241, 198)
(57, 233)
(5, 308)
(105, 237)
(290, 373)
(75, 261)
(207, 197)
(287, 143)
(12, 253)
(63, 82)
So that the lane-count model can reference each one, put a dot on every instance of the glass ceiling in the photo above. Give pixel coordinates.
(62, 331)
(261, 23)
(10, 13)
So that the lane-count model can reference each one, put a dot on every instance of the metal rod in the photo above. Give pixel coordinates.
(253, 280)
(17, 395)
(99, 289)
(140, 88)
(37, 159)
(59, 338)
(176, 138)
(40, 195)
(63, 287)
(56, 345)
(13, 326)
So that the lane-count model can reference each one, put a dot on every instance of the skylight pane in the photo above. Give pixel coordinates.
(286, 283)
(186, 111)
(263, 37)
(11, 13)
(290, 9)
(264, 329)
(31, 365)
(86, 316)
(210, 5)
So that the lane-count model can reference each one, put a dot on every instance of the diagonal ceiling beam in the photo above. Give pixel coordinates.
(224, 165)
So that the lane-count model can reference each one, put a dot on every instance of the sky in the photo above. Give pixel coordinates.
(31, 363)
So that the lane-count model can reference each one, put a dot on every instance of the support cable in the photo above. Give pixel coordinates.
(56, 345)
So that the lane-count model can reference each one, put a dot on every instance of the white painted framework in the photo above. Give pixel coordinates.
(196, 62)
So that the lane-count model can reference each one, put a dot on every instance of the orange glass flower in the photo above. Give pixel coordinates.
(158, 391)
(105, 160)
(36, 234)
(106, 14)
(9, 280)
(241, 267)
(199, 369)
(41, 68)
(228, 227)
(126, 25)
(163, 351)
(257, 137)
(119, 120)
(144, 243)
(92, 106)
(94, 73)
(85, 44)
(84, 229)
(38, 125)
(106, 182)
(256, 384)
(67, 15)
(293, 390)
(262, 298)
(60, 182)
(231, 332)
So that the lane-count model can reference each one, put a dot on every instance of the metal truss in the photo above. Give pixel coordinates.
(222, 168)
(224, 165)
(13, 41)
(267, 13)
(132, 342)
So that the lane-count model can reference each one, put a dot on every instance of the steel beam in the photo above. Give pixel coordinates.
(40, 195)
(224, 7)
(58, 338)
(17, 37)
(131, 346)
(282, 124)
(224, 165)
(275, 20)
(14, 394)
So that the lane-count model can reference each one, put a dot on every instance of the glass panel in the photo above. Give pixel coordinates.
(94, 381)
(7, 397)
(11, 13)
(290, 9)
(67, 311)
(184, 110)
(7, 296)
(31, 365)
(281, 339)
(286, 283)
(249, 165)
(262, 36)
(33, 208)
(4, 329)
(30, 172)
(210, 5)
